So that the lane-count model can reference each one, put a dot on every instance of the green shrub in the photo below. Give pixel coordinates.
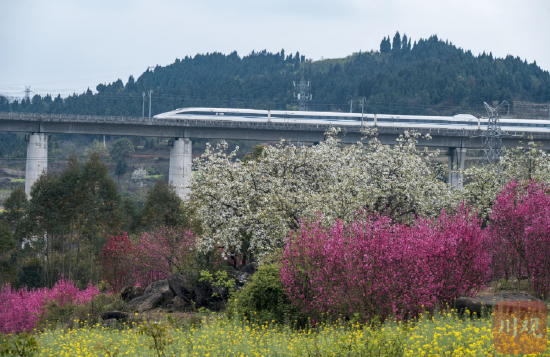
(22, 344)
(73, 315)
(263, 298)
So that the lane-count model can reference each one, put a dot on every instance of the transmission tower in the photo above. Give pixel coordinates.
(27, 91)
(302, 94)
(492, 137)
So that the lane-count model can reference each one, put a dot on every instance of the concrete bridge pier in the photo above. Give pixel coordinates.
(457, 157)
(180, 166)
(37, 159)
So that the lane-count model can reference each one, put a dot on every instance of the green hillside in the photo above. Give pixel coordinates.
(430, 76)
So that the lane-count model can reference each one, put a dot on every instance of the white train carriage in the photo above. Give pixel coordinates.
(458, 121)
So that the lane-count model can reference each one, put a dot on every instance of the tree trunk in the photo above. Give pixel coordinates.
(46, 261)
(91, 252)
(77, 268)
(71, 248)
(63, 251)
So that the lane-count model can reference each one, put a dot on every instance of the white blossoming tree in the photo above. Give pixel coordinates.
(139, 175)
(482, 184)
(249, 207)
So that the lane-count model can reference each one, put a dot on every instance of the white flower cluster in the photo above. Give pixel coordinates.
(482, 184)
(252, 206)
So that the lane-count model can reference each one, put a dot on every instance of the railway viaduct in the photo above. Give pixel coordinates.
(182, 131)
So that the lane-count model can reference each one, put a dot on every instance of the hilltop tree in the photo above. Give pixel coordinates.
(385, 45)
(396, 45)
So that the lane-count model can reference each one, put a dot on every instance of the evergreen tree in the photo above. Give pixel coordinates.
(405, 44)
(7, 244)
(385, 45)
(15, 207)
(396, 46)
(121, 149)
(121, 169)
(163, 207)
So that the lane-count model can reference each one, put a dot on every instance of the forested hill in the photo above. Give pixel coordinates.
(426, 77)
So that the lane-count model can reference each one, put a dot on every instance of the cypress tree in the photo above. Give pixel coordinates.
(396, 47)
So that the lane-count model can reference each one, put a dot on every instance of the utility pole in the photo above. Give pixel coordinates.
(362, 109)
(143, 108)
(150, 93)
(303, 94)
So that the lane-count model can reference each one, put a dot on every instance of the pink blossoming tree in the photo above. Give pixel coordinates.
(375, 267)
(519, 229)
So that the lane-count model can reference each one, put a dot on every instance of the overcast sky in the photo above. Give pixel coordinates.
(65, 46)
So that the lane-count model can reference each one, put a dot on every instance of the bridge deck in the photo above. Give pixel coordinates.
(243, 130)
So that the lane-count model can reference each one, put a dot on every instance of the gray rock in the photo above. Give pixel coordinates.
(157, 286)
(177, 284)
(110, 322)
(202, 294)
(479, 303)
(145, 302)
(178, 302)
(242, 277)
(160, 287)
(249, 268)
(131, 292)
(118, 315)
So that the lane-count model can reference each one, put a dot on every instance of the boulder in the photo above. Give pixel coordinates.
(131, 292)
(479, 303)
(241, 278)
(157, 293)
(118, 315)
(202, 294)
(157, 286)
(160, 287)
(249, 268)
(145, 302)
(177, 284)
(110, 323)
(178, 302)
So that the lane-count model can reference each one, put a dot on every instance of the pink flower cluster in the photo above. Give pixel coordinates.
(21, 309)
(519, 230)
(151, 258)
(376, 267)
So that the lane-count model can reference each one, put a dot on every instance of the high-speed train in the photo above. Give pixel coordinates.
(459, 121)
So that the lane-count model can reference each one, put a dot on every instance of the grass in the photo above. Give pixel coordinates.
(17, 180)
(445, 334)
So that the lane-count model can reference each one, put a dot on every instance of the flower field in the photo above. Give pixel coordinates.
(444, 335)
